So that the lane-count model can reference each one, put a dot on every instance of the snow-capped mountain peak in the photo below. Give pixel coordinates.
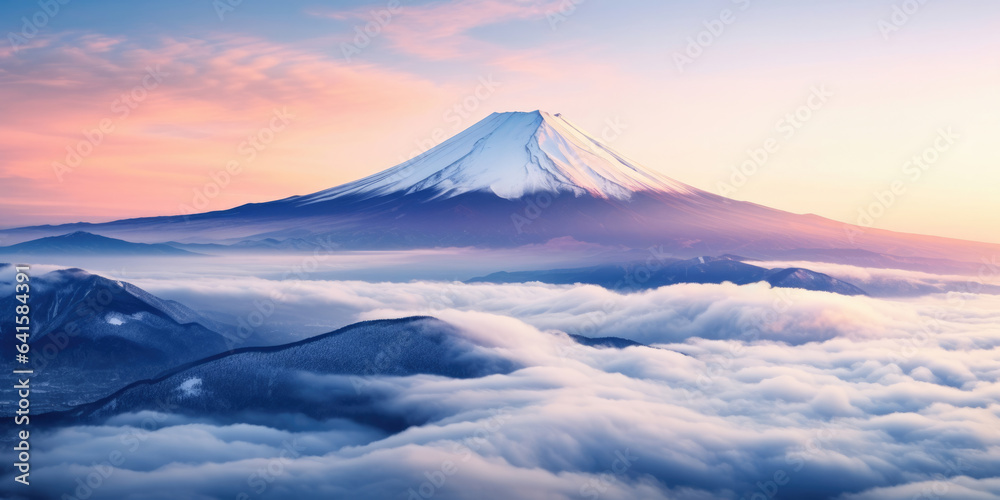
(512, 155)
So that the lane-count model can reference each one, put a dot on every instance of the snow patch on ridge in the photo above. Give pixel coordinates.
(191, 387)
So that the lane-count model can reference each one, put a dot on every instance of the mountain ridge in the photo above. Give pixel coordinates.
(86, 243)
(447, 198)
(702, 270)
(232, 382)
(112, 330)
(512, 155)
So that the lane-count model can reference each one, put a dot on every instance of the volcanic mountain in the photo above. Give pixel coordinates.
(523, 178)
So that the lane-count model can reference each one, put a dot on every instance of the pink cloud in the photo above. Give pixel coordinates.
(169, 132)
(440, 31)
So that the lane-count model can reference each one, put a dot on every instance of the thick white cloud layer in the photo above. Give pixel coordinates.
(753, 393)
(668, 314)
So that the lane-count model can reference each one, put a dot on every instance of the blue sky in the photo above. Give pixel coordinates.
(896, 82)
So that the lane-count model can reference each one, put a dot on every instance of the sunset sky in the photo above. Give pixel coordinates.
(179, 88)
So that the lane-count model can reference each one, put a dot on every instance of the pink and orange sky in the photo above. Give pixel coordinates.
(199, 81)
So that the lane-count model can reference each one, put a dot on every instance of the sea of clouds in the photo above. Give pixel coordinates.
(746, 393)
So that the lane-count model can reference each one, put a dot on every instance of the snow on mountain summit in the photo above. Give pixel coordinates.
(512, 155)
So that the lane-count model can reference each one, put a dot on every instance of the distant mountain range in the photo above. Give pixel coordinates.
(84, 243)
(525, 178)
(701, 270)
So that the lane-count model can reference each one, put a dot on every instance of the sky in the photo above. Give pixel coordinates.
(112, 112)
(754, 393)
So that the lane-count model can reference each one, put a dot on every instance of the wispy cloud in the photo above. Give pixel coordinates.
(172, 132)
(443, 30)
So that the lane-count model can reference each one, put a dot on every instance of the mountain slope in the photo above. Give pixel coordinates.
(512, 155)
(810, 280)
(515, 179)
(91, 335)
(322, 377)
